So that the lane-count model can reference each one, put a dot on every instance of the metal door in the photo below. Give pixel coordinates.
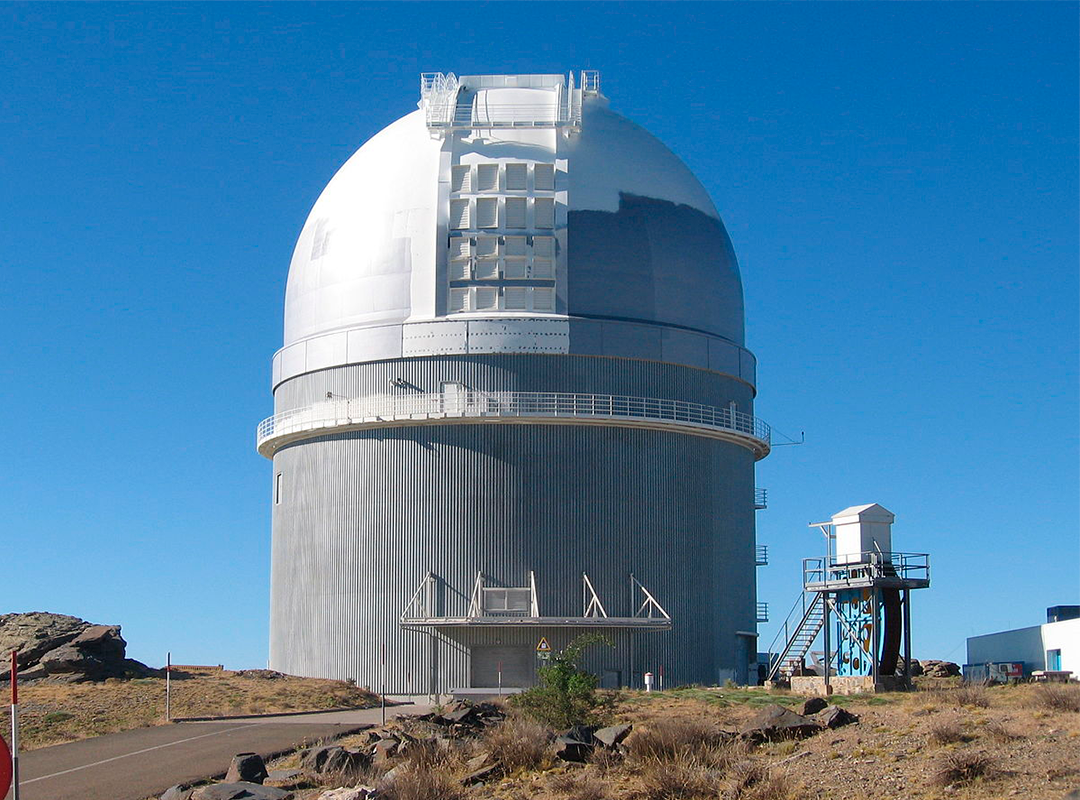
(518, 667)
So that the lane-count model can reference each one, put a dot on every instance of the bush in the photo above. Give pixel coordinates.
(946, 731)
(681, 777)
(1058, 696)
(579, 787)
(567, 694)
(972, 693)
(415, 783)
(750, 781)
(960, 768)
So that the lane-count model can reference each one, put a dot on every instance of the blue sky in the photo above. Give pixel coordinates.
(900, 182)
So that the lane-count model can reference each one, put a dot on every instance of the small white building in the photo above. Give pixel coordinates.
(1053, 647)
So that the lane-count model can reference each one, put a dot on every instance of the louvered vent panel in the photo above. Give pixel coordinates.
(515, 246)
(459, 300)
(541, 268)
(459, 269)
(486, 269)
(544, 177)
(514, 268)
(515, 298)
(544, 246)
(515, 212)
(516, 176)
(459, 214)
(543, 299)
(487, 246)
(487, 299)
(459, 247)
(461, 178)
(487, 178)
(544, 209)
(487, 212)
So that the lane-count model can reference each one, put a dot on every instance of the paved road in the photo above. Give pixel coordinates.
(142, 763)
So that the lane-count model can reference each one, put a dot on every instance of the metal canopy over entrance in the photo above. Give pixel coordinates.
(518, 606)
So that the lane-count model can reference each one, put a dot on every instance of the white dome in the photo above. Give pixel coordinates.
(633, 236)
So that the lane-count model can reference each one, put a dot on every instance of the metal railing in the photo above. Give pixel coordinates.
(445, 110)
(386, 410)
(761, 498)
(762, 612)
(858, 568)
(761, 555)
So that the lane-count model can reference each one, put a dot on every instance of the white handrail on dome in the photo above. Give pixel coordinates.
(383, 411)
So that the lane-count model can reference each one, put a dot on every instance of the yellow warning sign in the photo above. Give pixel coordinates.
(542, 646)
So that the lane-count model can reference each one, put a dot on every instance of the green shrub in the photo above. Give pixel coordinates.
(566, 695)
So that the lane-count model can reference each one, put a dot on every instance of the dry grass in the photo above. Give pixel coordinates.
(999, 732)
(411, 782)
(946, 731)
(1058, 697)
(971, 693)
(678, 778)
(752, 781)
(520, 743)
(579, 786)
(963, 768)
(51, 713)
(674, 738)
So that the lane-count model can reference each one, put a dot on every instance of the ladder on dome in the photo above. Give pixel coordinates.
(800, 630)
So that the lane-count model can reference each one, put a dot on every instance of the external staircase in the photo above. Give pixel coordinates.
(795, 638)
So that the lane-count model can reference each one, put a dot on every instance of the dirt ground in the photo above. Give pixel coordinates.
(1023, 742)
(52, 713)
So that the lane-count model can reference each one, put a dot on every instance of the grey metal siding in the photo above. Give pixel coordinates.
(366, 514)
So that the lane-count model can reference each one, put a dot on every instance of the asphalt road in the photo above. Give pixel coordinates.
(142, 763)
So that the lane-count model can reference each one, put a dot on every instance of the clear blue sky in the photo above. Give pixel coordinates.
(900, 182)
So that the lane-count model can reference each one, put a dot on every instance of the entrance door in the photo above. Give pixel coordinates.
(518, 670)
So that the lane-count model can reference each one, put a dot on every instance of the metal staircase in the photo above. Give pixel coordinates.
(800, 630)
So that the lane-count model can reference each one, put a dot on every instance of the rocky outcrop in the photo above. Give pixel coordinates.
(65, 648)
(932, 668)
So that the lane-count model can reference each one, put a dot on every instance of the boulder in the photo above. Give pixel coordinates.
(240, 791)
(813, 706)
(383, 750)
(481, 769)
(265, 674)
(283, 775)
(247, 767)
(182, 791)
(932, 668)
(833, 717)
(776, 723)
(34, 634)
(575, 744)
(331, 759)
(612, 735)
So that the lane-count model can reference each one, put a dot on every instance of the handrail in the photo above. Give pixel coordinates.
(859, 567)
(762, 611)
(406, 409)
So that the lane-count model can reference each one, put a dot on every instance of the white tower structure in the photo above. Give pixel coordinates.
(513, 403)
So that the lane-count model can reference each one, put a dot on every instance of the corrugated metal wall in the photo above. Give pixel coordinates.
(363, 517)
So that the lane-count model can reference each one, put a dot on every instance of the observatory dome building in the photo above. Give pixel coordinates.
(513, 404)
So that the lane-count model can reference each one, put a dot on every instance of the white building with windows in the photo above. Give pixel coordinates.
(513, 403)
(1052, 647)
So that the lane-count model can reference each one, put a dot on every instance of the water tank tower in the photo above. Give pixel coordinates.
(513, 404)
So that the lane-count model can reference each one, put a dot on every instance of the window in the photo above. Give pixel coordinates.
(461, 178)
(544, 209)
(544, 177)
(459, 300)
(515, 297)
(1053, 660)
(516, 176)
(459, 214)
(515, 212)
(487, 178)
(487, 212)
(278, 485)
(543, 299)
